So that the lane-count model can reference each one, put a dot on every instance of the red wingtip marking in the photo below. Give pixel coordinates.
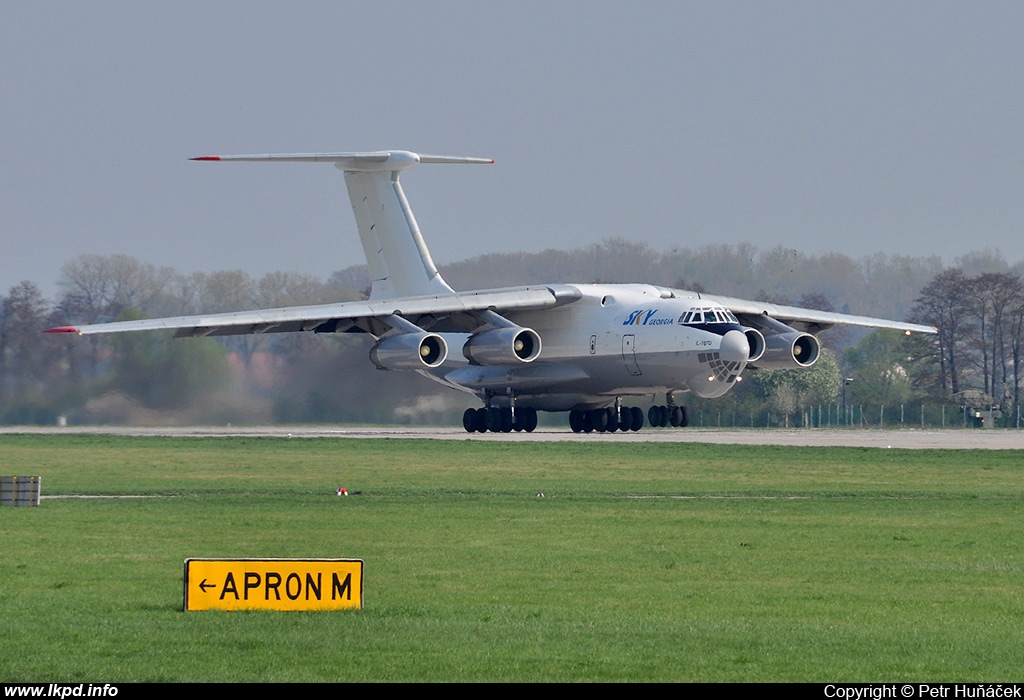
(61, 329)
(206, 158)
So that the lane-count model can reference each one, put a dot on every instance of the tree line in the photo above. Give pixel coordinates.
(981, 331)
(151, 378)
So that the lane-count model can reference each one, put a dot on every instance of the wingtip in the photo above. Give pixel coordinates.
(205, 158)
(63, 329)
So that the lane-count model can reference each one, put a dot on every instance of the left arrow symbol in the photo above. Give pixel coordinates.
(204, 585)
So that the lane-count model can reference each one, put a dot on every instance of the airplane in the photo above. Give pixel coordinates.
(576, 348)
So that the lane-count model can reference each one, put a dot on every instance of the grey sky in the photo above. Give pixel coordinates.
(853, 127)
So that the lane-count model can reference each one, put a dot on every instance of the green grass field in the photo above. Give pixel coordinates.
(643, 562)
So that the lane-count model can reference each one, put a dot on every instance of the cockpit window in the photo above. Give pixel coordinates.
(700, 316)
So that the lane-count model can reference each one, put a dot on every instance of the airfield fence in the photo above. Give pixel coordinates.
(860, 416)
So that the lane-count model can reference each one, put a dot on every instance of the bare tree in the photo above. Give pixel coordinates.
(946, 303)
(102, 286)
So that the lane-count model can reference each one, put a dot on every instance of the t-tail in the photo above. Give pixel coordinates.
(400, 264)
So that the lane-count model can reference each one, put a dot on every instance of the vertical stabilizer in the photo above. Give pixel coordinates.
(400, 264)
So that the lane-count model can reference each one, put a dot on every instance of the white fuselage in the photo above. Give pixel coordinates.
(617, 340)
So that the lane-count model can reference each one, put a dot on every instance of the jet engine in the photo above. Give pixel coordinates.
(757, 344)
(788, 351)
(410, 351)
(502, 346)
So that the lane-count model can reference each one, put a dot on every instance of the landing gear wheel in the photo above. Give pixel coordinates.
(612, 420)
(529, 419)
(588, 422)
(658, 416)
(493, 420)
(469, 420)
(625, 419)
(576, 421)
(638, 418)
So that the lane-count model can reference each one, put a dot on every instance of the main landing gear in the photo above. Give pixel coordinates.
(665, 416)
(496, 419)
(609, 420)
(499, 420)
(605, 420)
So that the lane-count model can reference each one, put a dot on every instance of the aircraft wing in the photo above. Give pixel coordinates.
(465, 311)
(809, 320)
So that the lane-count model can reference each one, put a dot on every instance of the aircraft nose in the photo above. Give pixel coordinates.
(735, 347)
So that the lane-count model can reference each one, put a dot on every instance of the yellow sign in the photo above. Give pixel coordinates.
(273, 584)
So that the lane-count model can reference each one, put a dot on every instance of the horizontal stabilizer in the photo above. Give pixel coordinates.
(399, 262)
(365, 162)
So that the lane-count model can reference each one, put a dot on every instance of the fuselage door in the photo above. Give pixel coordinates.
(629, 355)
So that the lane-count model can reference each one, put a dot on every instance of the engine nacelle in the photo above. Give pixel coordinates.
(410, 351)
(757, 344)
(503, 346)
(789, 351)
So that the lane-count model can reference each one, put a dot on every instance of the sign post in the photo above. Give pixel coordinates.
(20, 490)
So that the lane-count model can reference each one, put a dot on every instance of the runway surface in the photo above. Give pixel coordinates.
(807, 437)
